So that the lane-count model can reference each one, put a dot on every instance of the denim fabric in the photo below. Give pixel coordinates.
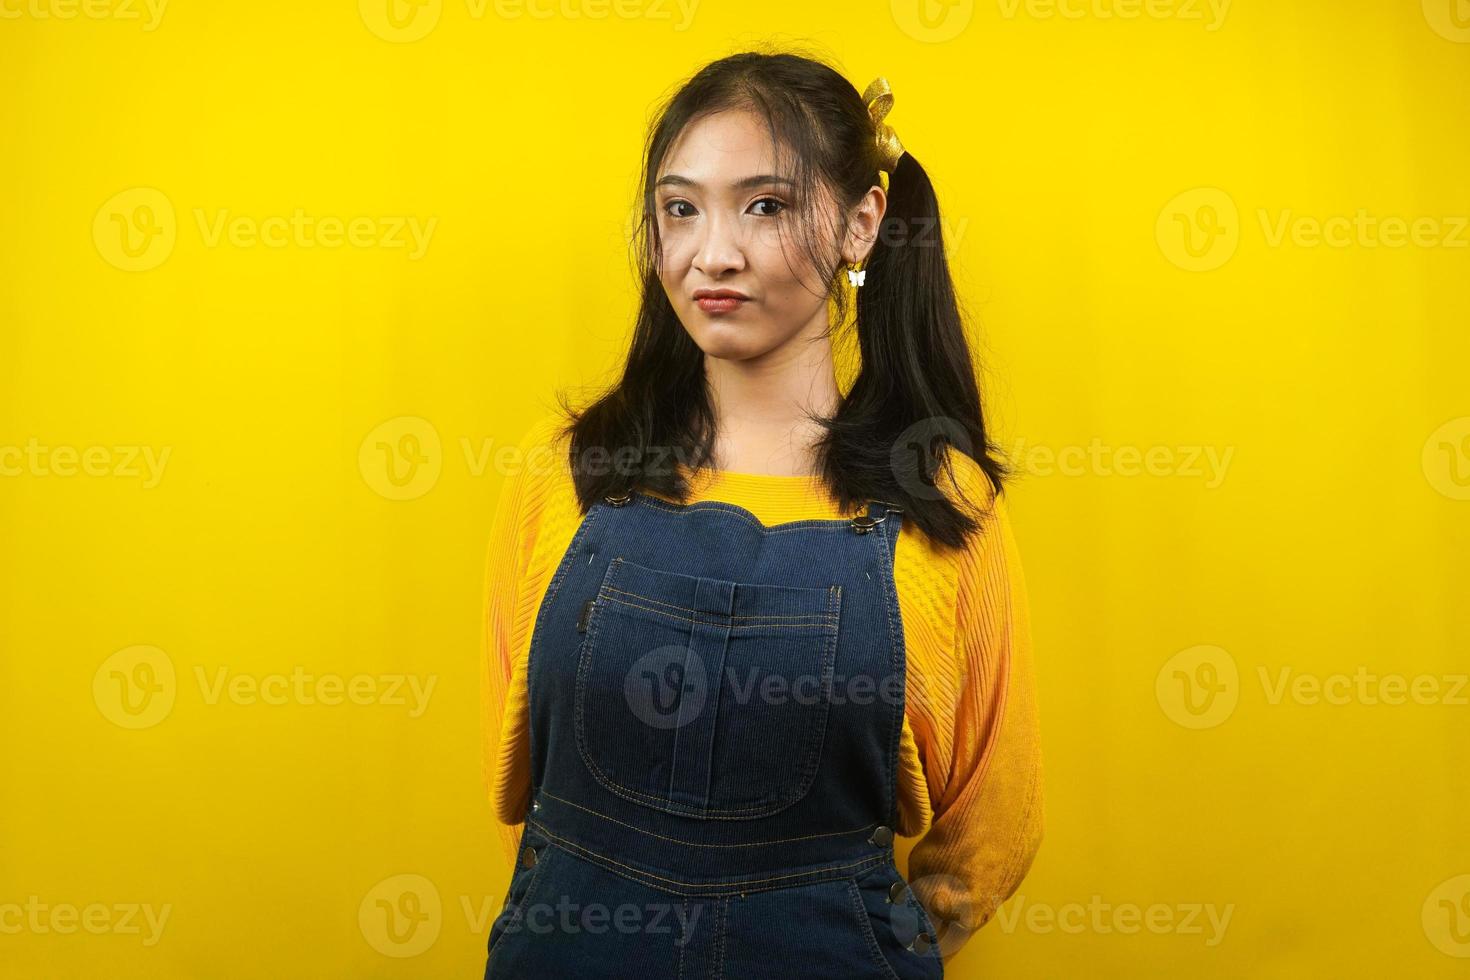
(715, 711)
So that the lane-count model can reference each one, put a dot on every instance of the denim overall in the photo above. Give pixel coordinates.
(715, 711)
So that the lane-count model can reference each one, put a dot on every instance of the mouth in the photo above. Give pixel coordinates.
(719, 300)
(719, 304)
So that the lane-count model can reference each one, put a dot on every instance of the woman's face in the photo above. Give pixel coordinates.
(724, 215)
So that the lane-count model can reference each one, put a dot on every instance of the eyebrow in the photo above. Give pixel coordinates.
(745, 183)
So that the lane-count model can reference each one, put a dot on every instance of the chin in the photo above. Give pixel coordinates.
(727, 339)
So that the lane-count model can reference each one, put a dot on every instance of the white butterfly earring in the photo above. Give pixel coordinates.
(856, 276)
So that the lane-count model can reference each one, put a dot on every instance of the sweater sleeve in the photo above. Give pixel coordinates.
(987, 822)
(504, 708)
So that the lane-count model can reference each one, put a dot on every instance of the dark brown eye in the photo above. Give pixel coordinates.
(675, 204)
(779, 206)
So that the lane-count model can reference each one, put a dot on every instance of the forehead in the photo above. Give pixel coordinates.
(720, 148)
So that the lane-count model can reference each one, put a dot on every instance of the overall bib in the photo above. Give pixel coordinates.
(715, 713)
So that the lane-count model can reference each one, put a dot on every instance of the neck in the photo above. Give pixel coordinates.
(760, 404)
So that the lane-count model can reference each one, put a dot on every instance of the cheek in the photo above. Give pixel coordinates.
(776, 260)
(675, 255)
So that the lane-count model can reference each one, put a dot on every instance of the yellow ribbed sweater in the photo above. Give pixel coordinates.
(970, 760)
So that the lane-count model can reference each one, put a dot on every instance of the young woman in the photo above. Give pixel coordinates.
(745, 625)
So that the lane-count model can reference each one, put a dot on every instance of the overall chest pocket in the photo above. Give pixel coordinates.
(703, 697)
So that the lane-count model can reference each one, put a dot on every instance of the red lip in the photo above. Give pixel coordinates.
(719, 294)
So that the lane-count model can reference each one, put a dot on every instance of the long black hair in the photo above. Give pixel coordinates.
(915, 399)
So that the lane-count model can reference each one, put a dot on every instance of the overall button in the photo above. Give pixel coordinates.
(619, 501)
(863, 523)
(882, 836)
(922, 944)
(895, 892)
(528, 858)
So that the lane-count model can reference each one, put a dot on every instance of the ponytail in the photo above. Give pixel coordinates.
(916, 398)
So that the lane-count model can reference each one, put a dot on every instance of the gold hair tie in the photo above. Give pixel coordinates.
(879, 98)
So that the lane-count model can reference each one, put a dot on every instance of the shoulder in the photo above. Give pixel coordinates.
(545, 435)
(536, 463)
(532, 468)
(976, 582)
(539, 479)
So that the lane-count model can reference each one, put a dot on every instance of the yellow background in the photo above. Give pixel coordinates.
(1073, 145)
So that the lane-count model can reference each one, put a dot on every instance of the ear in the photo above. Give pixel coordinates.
(863, 225)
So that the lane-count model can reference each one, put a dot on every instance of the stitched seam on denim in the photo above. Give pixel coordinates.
(538, 631)
(670, 806)
(515, 916)
(608, 588)
(724, 934)
(685, 943)
(722, 616)
(810, 753)
(712, 889)
(712, 724)
(865, 928)
(687, 843)
(816, 734)
(718, 946)
(762, 809)
(735, 510)
(898, 663)
(520, 908)
(711, 619)
(679, 724)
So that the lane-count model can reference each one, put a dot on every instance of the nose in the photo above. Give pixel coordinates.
(721, 250)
